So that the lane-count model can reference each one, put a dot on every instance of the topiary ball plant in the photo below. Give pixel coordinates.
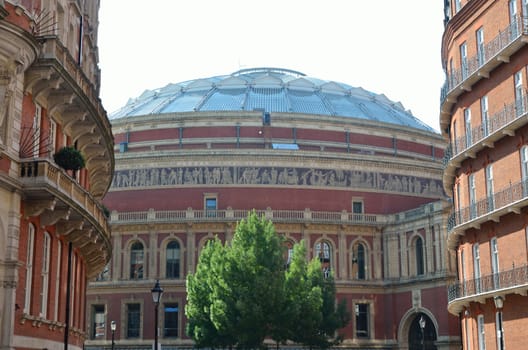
(69, 158)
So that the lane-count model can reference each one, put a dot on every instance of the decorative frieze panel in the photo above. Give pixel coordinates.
(277, 176)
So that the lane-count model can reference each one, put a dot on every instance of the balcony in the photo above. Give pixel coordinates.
(497, 51)
(503, 123)
(56, 81)
(478, 290)
(57, 199)
(234, 215)
(508, 200)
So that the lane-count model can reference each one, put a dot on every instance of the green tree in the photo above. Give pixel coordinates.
(242, 293)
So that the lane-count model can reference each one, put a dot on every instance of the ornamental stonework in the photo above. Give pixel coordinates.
(276, 176)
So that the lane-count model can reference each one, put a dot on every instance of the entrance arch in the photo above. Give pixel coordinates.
(422, 333)
(418, 330)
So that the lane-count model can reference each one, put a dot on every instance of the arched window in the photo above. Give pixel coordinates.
(359, 261)
(323, 250)
(419, 256)
(44, 275)
(173, 260)
(136, 261)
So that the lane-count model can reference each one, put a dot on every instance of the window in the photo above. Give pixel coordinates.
(481, 337)
(36, 130)
(359, 259)
(495, 262)
(362, 320)
(170, 325)
(476, 266)
(468, 335)
(457, 6)
(484, 115)
(524, 169)
(464, 60)
(489, 187)
(463, 270)
(525, 7)
(519, 96)
(136, 261)
(52, 138)
(44, 288)
(98, 322)
(472, 196)
(173, 260)
(419, 251)
(456, 142)
(133, 320)
(105, 274)
(467, 120)
(289, 252)
(357, 209)
(57, 280)
(210, 206)
(499, 330)
(514, 31)
(480, 46)
(29, 268)
(323, 251)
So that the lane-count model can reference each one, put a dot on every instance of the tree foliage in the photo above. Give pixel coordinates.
(243, 293)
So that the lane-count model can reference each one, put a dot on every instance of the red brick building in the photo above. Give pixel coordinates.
(352, 173)
(54, 236)
(484, 116)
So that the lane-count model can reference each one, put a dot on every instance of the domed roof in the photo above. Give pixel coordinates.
(271, 90)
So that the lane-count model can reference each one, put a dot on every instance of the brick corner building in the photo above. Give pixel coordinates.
(54, 234)
(483, 115)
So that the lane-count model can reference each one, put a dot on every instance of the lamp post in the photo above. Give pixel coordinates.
(157, 291)
(499, 303)
(422, 327)
(113, 328)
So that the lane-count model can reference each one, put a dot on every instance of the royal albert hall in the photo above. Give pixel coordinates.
(354, 174)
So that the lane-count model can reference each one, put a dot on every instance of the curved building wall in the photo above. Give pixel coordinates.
(483, 113)
(54, 235)
(358, 187)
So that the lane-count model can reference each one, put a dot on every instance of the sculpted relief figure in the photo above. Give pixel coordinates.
(274, 176)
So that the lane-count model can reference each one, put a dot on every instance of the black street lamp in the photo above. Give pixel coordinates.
(157, 291)
(422, 327)
(113, 328)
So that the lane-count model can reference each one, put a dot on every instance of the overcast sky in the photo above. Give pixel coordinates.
(385, 46)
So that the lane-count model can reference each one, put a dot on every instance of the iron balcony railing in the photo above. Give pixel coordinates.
(507, 196)
(494, 124)
(516, 277)
(457, 77)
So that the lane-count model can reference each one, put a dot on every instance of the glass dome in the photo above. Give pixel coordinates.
(270, 90)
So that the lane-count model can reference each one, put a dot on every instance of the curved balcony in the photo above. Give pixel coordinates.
(508, 200)
(498, 50)
(501, 124)
(460, 294)
(234, 215)
(57, 199)
(58, 83)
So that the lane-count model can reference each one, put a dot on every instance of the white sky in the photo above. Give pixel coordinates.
(384, 46)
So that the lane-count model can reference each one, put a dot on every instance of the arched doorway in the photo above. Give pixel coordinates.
(422, 333)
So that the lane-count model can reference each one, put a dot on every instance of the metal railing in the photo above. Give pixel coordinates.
(503, 198)
(515, 277)
(495, 123)
(456, 77)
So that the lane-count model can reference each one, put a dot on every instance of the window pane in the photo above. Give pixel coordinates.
(170, 328)
(419, 257)
(362, 312)
(361, 262)
(133, 320)
(173, 260)
(98, 326)
(136, 261)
